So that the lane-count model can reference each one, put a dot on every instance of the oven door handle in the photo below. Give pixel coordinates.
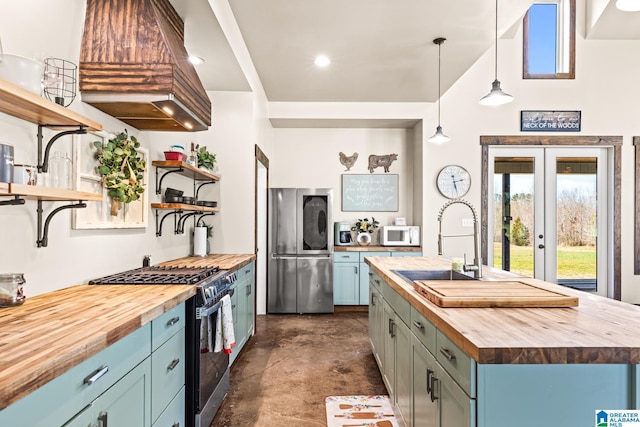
(206, 312)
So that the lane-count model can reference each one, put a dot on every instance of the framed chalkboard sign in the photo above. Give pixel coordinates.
(371, 193)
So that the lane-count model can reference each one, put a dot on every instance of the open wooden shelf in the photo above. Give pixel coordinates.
(185, 169)
(28, 106)
(32, 192)
(183, 207)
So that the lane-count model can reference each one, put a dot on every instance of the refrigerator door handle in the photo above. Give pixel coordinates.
(313, 257)
(276, 256)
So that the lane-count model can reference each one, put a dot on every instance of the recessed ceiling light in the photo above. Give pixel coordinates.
(628, 5)
(322, 61)
(196, 60)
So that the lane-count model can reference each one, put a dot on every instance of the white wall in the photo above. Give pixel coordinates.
(309, 158)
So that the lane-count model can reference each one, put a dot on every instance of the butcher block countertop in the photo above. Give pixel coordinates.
(53, 332)
(598, 330)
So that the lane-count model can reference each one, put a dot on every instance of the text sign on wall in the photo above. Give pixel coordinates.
(550, 121)
(377, 193)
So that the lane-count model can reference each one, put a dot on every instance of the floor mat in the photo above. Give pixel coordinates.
(366, 411)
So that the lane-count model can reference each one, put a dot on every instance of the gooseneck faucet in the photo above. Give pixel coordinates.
(476, 267)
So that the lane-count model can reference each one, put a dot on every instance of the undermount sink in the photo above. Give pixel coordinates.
(411, 275)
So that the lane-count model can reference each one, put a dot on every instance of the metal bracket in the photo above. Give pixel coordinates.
(183, 219)
(159, 181)
(43, 232)
(201, 185)
(13, 202)
(203, 215)
(159, 221)
(43, 158)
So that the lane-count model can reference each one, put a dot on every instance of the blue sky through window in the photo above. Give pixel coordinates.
(543, 38)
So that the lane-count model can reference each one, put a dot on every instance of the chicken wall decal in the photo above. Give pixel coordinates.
(348, 161)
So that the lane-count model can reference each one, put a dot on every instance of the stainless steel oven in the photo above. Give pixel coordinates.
(207, 372)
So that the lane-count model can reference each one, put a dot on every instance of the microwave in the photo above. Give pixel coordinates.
(400, 235)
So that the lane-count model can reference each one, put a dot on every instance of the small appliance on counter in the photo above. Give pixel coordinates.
(400, 235)
(6, 163)
(342, 233)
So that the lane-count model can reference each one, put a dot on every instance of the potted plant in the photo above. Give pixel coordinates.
(364, 228)
(121, 168)
(206, 160)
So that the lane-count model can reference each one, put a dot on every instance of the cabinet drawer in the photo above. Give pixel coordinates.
(424, 330)
(400, 305)
(173, 415)
(345, 256)
(167, 373)
(166, 325)
(455, 361)
(67, 394)
(363, 255)
(245, 271)
(375, 281)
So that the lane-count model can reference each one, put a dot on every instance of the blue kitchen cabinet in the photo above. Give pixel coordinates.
(242, 304)
(118, 386)
(363, 280)
(346, 278)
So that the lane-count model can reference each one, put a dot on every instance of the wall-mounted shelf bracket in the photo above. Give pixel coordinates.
(203, 215)
(159, 181)
(43, 157)
(159, 221)
(183, 219)
(199, 186)
(44, 231)
(17, 200)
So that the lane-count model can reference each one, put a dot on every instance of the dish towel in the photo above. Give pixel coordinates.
(206, 335)
(225, 338)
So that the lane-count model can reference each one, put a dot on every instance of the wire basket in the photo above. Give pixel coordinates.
(60, 81)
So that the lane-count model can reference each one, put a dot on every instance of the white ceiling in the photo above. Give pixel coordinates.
(382, 50)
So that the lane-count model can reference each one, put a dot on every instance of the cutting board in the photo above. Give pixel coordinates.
(472, 293)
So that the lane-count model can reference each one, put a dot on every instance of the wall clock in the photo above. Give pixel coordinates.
(453, 181)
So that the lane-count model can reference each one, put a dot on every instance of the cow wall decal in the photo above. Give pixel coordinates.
(381, 161)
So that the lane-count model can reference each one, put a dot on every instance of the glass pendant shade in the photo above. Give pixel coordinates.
(439, 136)
(496, 96)
(628, 5)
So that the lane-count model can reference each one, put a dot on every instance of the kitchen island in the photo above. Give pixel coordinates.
(494, 367)
(53, 333)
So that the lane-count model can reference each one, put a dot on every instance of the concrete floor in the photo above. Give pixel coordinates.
(290, 366)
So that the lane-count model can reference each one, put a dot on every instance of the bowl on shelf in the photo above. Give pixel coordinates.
(189, 200)
(173, 192)
(207, 203)
(168, 198)
(175, 155)
(24, 72)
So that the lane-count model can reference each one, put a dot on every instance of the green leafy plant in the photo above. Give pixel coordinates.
(121, 168)
(205, 158)
(364, 226)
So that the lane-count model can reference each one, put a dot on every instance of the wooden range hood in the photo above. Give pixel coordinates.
(134, 66)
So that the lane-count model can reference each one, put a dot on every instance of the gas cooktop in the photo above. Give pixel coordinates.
(158, 276)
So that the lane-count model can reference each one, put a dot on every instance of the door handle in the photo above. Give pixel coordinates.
(102, 419)
(540, 246)
(418, 325)
(173, 364)
(433, 388)
(429, 375)
(96, 375)
(173, 321)
(447, 353)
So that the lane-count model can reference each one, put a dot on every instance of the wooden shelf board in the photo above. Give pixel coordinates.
(188, 170)
(4, 188)
(28, 106)
(183, 207)
(47, 193)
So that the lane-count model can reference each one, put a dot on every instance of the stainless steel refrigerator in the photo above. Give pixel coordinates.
(300, 245)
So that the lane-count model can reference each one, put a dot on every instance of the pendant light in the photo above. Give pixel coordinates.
(439, 136)
(496, 96)
(628, 5)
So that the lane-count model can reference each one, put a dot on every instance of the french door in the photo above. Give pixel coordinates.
(549, 214)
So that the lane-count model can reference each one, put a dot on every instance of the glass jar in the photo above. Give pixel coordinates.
(11, 292)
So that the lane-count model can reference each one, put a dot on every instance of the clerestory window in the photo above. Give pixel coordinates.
(550, 40)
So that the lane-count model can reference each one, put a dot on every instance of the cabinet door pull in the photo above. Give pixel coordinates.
(173, 364)
(233, 306)
(356, 269)
(95, 375)
(175, 425)
(447, 353)
(429, 375)
(248, 291)
(433, 388)
(173, 321)
(103, 418)
(418, 325)
(391, 326)
(373, 299)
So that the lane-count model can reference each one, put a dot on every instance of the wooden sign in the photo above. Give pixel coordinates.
(370, 193)
(550, 121)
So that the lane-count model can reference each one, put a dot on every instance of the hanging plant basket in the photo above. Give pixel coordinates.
(121, 168)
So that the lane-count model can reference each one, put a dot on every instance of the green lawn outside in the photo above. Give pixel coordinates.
(577, 262)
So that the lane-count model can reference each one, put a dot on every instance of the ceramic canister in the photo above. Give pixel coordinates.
(6, 163)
